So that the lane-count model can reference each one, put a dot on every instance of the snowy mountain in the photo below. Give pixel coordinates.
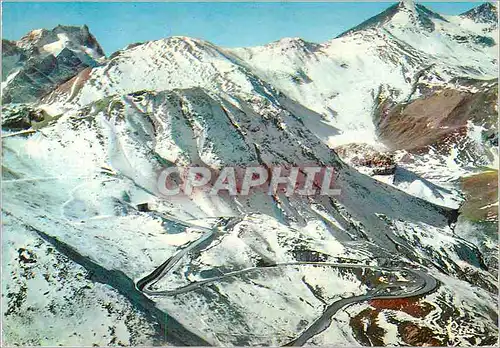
(402, 107)
(405, 45)
(486, 13)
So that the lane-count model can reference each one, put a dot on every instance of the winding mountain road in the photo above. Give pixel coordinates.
(421, 283)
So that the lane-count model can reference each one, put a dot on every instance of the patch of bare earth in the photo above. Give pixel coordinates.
(481, 192)
(367, 159)
(367, 331)
(70, 87)
(434, 117)
(416, 335)
(412, 306)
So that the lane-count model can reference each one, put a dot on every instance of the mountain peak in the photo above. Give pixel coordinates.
(485, 13)
(55, 40)
(408, 4)
(403, 14)
(293, 43)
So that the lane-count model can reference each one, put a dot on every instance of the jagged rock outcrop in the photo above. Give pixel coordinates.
(43, 59)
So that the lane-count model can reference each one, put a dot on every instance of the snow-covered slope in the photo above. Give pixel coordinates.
(49, 300)
(136, 134)
(339, 79)
(486, 14)
(262, 274)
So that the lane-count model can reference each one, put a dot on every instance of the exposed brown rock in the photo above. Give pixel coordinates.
(415, 335)
(373, 335)
(74, 85)
(412, 306)
(437, 115)
(367, 157)
(481, 193)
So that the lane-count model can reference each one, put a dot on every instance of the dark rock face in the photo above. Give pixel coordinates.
(40, 70)
(16, 121)
(486, 13)
(9, 48)
(12, 57)
(20, 117)
(39, 76)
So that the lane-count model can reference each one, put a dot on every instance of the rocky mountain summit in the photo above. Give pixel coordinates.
(43, 59)
(485, 13)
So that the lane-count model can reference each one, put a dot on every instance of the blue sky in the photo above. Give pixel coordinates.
(227, 24)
